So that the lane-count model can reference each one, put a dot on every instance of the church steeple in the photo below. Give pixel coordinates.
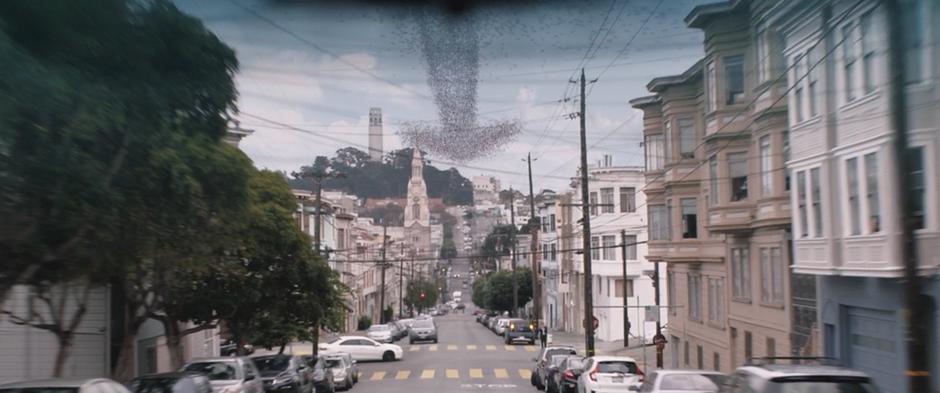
(417, 210)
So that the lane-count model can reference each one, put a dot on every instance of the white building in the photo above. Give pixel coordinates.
(548, 246)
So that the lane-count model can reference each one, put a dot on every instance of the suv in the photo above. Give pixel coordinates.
(519, 330)
(540, 371)
(773, 378)
(284, 373)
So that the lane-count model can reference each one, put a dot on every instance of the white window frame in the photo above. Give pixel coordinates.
(741, 274)
(766, 165)
(711, 90)
(685, 128)
(655, 159)
(609, 244)
(716, 299)
(713, 197)
(726, 63)
(849, 59)
(868, 32)
(771, 268)
(694, 296)
(607, 200)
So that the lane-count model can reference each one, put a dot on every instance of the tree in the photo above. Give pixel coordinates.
(422, 294)
(498, 289)
(479, 292)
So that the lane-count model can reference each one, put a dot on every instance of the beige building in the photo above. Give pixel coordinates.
(718, 195)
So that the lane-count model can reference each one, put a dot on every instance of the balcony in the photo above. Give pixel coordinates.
(732, 218)
(772, 212)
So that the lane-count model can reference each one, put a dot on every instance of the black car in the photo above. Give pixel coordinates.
(541, 363)
(284, 373)
(564, 377)
(175, 382)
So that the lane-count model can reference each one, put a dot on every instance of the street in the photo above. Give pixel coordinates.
(468, 357)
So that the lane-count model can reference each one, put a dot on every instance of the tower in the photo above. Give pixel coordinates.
(416, 208)
(375, 134)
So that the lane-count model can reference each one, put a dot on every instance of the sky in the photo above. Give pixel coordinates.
(310, 71)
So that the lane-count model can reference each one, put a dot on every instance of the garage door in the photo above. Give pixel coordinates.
(873, 348)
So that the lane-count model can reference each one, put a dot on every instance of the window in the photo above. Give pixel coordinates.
(671, 289)
(771, 267)
(812, 76)
(851, 175)
(771, 347)
(734, 79)
(658, 226)
(713, 180)
(748, 345)
(701, 363)
(913, 13)
(716, 360)
(741, 274)
(686, 138)
(416, 211)
(341, 238)
(607, 200)
(710, 90)
(655, 153)
(848, 62)
(554, 251)
(766, 180)
(871, 193)
(593, 202)
(668, 142)
(737, 171)
(630, 243)
(798, 88)
(918, 188)
(618, 288)
(608, 287)
(669, 219)
(801, 203)
(627, 199)
(868, 52)
(610, 247)
(551, 222)
(695, 297)
(595, 244)
(689, 211)
(817, 201)
(686, 353)
(786, 157)
(716, 308)
(763, 53)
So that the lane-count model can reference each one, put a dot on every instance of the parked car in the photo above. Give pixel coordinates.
(64, 385)
(541, 362)
(230, 348)
(354, 365)
(284, 373)
(176, 382)
(548, 377)
(423, 330)
(767, 378)
(686, 381)
(500, 327)
(362, 348)
(228, 374)
(382, 333)
(342, 371)
(407, 322)
(399, 330)
(609, 373)
(322, 377)
(519, 330)
(565, 380)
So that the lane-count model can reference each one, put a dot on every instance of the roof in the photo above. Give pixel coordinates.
(700, 15)
(690, 371)
(52, 383)
(660, 83)
(789, 370)
(640, 102)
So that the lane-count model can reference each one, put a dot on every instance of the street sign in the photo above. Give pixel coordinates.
(652, 313)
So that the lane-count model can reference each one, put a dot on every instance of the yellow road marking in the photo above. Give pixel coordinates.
(452, 373)
(427, 374)
(378, 375)
(432, 348)
(402, 374)
(451, 347)
(414, 348)
(525, 373)
(490, 347)
(471, 347)
(476, 373)
(531, 348)
(510, 348)
(501, 373)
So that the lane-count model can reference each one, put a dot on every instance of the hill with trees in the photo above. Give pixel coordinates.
(388, 178)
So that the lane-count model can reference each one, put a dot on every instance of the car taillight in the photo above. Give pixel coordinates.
(569, 375)
(640, 374)
(593, 374)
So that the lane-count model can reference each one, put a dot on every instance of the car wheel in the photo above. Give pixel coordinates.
(411, 341)
(388, 356)
(532, 379)
(435, 341)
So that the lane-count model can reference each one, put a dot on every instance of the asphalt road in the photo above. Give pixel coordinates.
(467, 358)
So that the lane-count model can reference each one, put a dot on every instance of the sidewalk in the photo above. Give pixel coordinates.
(645, 355)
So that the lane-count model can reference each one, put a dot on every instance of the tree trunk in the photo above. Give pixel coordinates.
(65, 349)
(315, 339)
(124, 366)
(281, 351)
(174, 343)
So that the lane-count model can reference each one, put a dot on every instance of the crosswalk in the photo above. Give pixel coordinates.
(447, 373)
(471, 347)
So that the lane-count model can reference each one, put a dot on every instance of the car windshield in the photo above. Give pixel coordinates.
(379, 328)
(616, 367)
(559, 351)
(426, 323)
(821, 386)
(557, 359)
(574, 364)
(216, 371)
(693, 382)
(520, 326)
(272, 363)
(334, 362)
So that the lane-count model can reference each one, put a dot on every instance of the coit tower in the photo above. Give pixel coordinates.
(375, 134)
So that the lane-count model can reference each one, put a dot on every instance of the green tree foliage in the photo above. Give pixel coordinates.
(479, 292)
(414, 299)
(448, 249)
(494, 291)
(389, 178)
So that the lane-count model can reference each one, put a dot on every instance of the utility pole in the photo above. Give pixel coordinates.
(318, 178)
(626, 315)
(533, 230)
(401, 279)
(515, 284)
(659, 327)
(918, 309)
(586, 236)
(382, 294)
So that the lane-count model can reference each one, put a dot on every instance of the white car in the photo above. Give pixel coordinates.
(381, 333)
(686, 381)
(362, 348)
(228, 374)
(610, 374)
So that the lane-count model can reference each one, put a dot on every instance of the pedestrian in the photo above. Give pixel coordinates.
(543, 336)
